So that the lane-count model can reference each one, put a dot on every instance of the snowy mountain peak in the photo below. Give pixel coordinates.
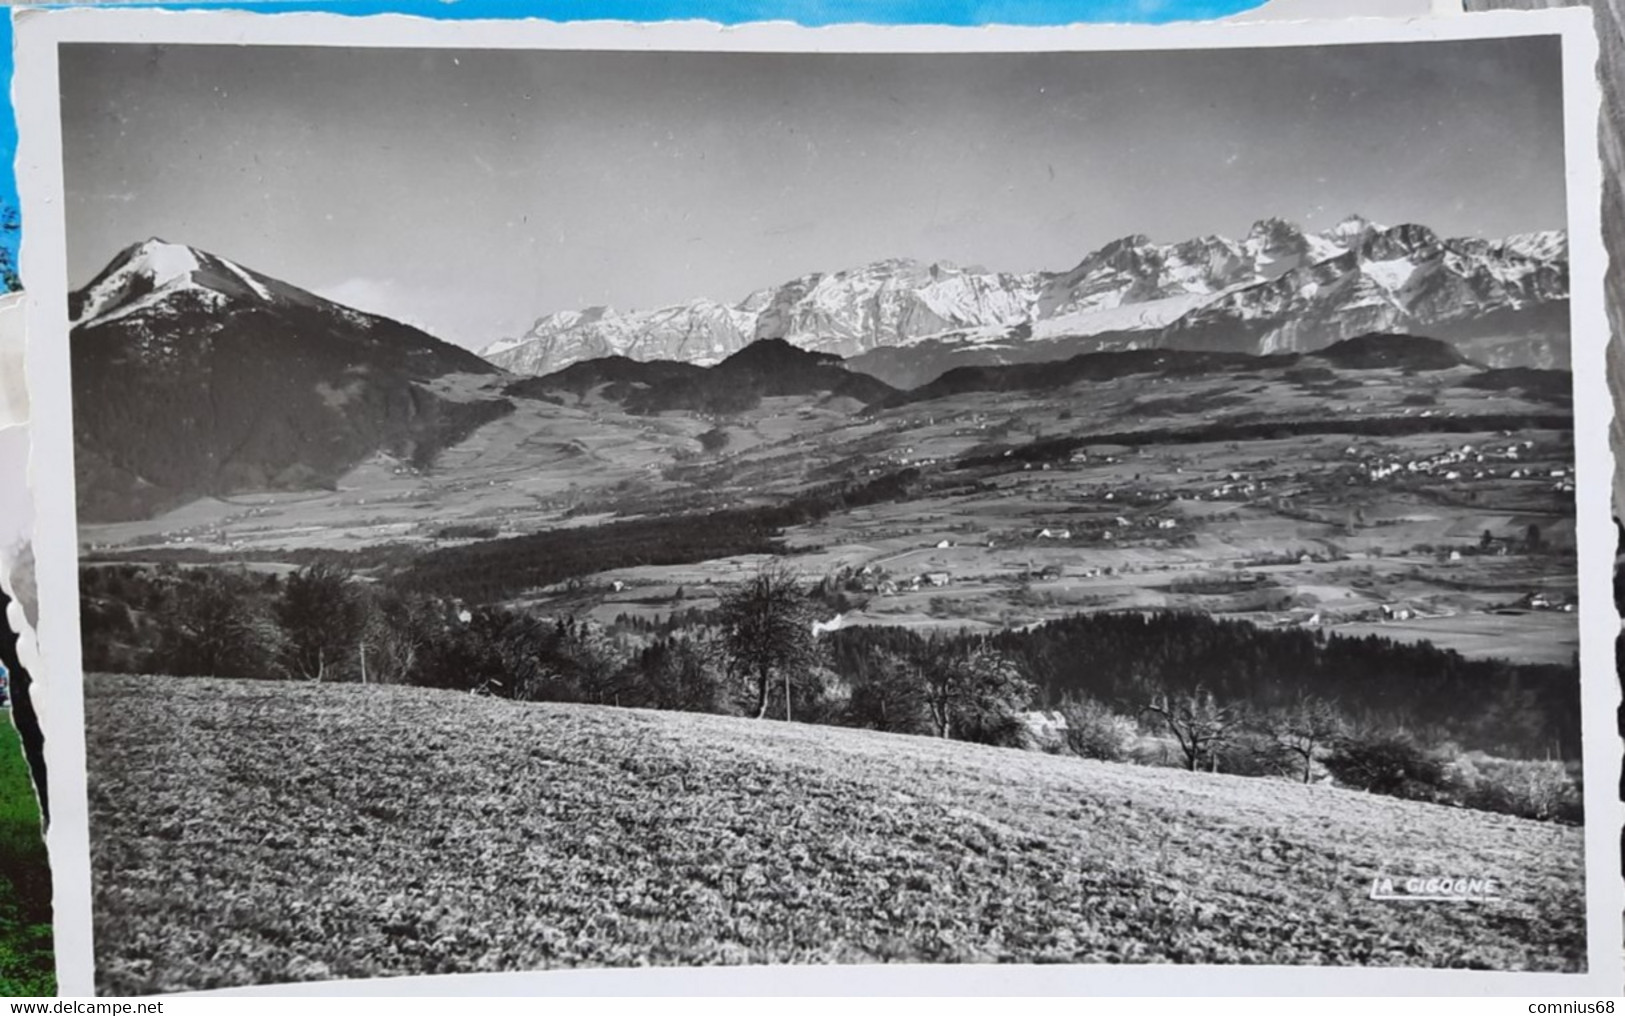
(1410, 243)
(156, 277)
(163, 260)
(1352, 227)
(1275, 238)
(1542, 246)
(199, 377)
(155, 259)
(897, 269)
(1134, 241)
(138, 274)
(1271, 227)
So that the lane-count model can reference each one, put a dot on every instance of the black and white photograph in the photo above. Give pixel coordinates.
(547, 508)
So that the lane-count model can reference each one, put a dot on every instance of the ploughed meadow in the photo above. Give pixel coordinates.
(326, 831)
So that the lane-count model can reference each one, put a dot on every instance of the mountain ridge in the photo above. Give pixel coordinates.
(1373, 351)
(1276, 289)
(764, 368)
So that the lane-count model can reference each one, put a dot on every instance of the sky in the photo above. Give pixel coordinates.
(803, 12)
(471, 192)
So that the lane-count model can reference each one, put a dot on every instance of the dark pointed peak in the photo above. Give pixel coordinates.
(774, 354)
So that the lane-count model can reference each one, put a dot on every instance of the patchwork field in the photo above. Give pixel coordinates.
(326, 831)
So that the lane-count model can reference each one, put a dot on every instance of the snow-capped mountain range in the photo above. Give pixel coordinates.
(1276, 289)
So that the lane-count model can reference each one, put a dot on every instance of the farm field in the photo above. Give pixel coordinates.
(352, 831)
(1523, 638)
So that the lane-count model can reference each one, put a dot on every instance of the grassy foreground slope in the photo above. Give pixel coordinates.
(248, 832)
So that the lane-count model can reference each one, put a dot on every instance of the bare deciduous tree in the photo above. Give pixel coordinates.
(1198, 721)
(398, 633)
(1307, 726)
(767, 630)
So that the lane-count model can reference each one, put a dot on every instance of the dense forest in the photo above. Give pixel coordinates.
(1103, 366)
(1123, 658)
(1491, 705)
(495, 570)
(1059, 449)
(1366, 352)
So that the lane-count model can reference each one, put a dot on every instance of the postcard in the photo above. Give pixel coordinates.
(679, 508)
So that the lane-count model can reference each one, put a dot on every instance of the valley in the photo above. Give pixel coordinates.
(1386, 487)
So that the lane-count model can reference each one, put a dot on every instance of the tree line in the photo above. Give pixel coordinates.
(499, 569)
(1059, 449)
(1157, 688)
(1518, 710)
